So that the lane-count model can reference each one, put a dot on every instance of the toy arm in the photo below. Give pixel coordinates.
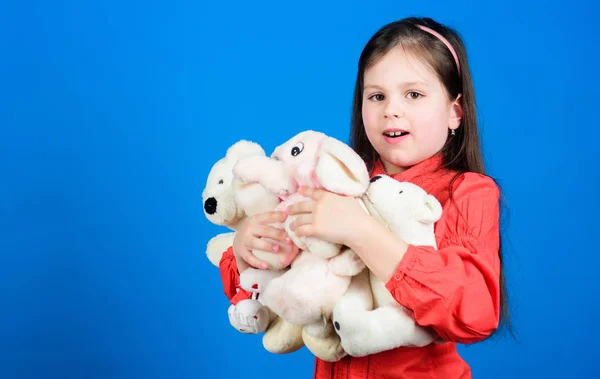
(268, 172)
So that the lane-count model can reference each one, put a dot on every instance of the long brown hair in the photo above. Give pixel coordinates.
(462, 151)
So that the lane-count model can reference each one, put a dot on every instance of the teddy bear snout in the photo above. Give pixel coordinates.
(210, 205)
(375, 178)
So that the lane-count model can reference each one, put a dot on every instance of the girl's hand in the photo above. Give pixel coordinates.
(327, 216)
(250, 236)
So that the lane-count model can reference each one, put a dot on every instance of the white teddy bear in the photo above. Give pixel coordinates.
(367, 318)
(228, 202)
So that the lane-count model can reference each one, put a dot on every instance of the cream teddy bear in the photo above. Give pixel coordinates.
(306, 293)
(228, 202)
(367, 318)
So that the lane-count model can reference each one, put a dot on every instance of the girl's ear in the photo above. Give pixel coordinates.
(456, 113)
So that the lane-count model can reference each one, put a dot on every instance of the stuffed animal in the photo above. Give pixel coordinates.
(307, 292)
(310, 159)
(228, 202)
(367, 318)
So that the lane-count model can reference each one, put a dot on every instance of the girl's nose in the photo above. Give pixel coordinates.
(393, 110)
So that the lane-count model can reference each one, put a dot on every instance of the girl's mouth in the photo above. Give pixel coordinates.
(395, 134)
(394, 137)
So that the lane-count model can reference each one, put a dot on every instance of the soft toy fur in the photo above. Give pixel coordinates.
(228, 202)
(367, 318)
(320, 275)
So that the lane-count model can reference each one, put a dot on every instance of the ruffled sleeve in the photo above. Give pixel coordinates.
(455, 289)
(230, 278)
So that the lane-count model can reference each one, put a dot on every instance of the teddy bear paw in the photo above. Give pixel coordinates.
(248, 316)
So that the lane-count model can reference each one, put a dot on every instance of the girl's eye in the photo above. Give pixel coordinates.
(414, 95)
(377, 97)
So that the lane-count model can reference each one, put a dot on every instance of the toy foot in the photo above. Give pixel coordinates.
(325, 344)
(248, 316)
(282, 337)
(369, 332)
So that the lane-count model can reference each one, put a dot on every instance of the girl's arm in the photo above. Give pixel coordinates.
(454, 289)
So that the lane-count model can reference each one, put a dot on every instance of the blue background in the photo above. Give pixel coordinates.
(113, 113)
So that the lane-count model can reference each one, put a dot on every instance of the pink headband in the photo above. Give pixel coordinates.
(445, 41)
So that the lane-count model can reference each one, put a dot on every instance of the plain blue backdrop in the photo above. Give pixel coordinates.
(112, 114)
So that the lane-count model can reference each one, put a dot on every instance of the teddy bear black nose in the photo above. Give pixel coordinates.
(375, 178)
(210, 205)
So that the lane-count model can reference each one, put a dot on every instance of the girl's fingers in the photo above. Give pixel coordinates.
(255, 262)
(313, 193)
(306, 230)
(263, 244)
(270, 217)
(303, 219)
(306, 206)
(267, 231)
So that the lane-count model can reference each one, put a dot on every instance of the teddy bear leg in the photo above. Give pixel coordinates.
(282, 337)
(255, 280)
(249, 316)
(320, 338)
(350, 313)
(388, 327)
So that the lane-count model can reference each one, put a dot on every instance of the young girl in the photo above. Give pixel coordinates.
(413, 119)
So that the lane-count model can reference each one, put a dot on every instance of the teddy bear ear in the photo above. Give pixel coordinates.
(432, 210)
(243, 149)
(340, 169)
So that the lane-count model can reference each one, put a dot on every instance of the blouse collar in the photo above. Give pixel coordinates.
(427, 166)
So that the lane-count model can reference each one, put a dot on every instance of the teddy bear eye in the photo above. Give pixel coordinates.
(399, 193)
(221, 181)
(297, 149)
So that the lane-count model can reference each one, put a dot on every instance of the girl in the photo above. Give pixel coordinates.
(413, 119)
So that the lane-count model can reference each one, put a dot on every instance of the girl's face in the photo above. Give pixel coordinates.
(406, 110)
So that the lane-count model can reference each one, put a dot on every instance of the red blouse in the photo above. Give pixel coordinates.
(454, 289)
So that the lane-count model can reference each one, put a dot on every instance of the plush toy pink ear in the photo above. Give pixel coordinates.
(431, 211)
(339, 169)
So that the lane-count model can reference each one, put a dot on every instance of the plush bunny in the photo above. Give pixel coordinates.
(310, 159)
(321, 273)
(367, 318)
(228, 202)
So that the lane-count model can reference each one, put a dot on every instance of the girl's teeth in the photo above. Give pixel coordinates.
(395, 134)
